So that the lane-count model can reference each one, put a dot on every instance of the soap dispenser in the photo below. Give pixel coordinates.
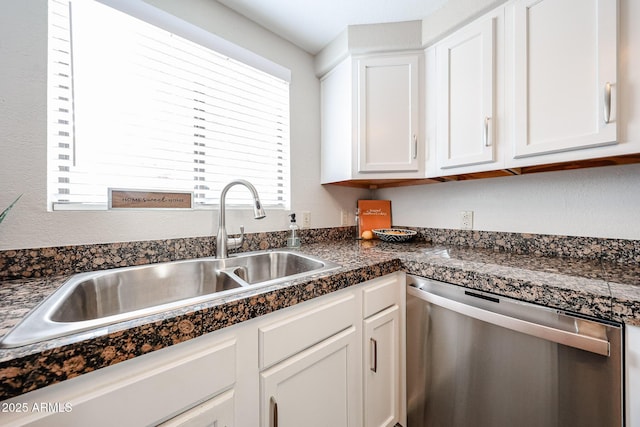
(293, 241)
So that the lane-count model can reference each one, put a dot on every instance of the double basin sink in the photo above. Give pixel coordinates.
(88, 301)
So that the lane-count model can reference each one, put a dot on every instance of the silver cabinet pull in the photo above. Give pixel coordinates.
(607, 102)
(374, 355)
(485, 136)
(415, 146)
(274, 412)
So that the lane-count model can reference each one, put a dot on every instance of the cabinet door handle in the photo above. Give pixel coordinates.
(274, 412)
(607, 102)
(485, 135)
(415, 147)
(374, 355)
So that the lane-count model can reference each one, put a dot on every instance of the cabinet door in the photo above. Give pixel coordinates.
(632, 367)
(466, 95)
(336, 116)
(388, 114)
(315, 388)
(565, 75)
(216, 412)
(382, 368)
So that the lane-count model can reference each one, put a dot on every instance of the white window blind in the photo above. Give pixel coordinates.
(135, 106)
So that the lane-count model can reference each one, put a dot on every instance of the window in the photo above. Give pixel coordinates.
(141, 107)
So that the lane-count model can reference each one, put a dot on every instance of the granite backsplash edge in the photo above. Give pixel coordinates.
(63, 260)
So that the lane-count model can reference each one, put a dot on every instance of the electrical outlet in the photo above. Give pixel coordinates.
(344, 218)
(466, 220)
(306, 219)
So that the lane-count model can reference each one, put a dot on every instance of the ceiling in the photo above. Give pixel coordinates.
(312, 24)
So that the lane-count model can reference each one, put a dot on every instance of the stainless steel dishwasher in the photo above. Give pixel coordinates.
(479, 360)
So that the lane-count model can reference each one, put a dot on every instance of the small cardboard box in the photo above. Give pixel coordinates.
(374, 214)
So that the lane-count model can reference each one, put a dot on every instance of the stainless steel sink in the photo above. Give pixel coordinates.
(109, 293)
(93, 300)
(269, 266)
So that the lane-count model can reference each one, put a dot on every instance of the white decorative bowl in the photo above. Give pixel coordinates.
(394, 234)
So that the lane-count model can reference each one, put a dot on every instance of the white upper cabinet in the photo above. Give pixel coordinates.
(564, 81)
(371, 113)
(388, 114)
(530, 83)
(467, 86)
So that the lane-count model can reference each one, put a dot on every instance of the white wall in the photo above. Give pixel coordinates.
(600, 202)
(23, 31)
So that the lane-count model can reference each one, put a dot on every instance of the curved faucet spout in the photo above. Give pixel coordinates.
(224, 243)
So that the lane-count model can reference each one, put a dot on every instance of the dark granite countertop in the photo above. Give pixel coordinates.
(600, 289)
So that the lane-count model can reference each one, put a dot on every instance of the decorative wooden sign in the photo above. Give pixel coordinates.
(149, 199)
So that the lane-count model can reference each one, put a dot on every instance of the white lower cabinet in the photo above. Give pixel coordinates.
(143, 391)
(300, 366)
(632, 375)
(310, 360)
(216, 412)
(315, 388)
(382, 368)
(339, 362)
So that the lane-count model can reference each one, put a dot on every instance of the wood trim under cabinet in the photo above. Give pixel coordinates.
(373, 184)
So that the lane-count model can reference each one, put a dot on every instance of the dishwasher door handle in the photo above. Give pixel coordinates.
(571, 339)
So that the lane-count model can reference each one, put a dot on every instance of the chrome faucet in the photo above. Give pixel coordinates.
(224, 243)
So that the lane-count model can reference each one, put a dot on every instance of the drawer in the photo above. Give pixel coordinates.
(381, 293)
(308, 327)
(144, 391)
(217, 412)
